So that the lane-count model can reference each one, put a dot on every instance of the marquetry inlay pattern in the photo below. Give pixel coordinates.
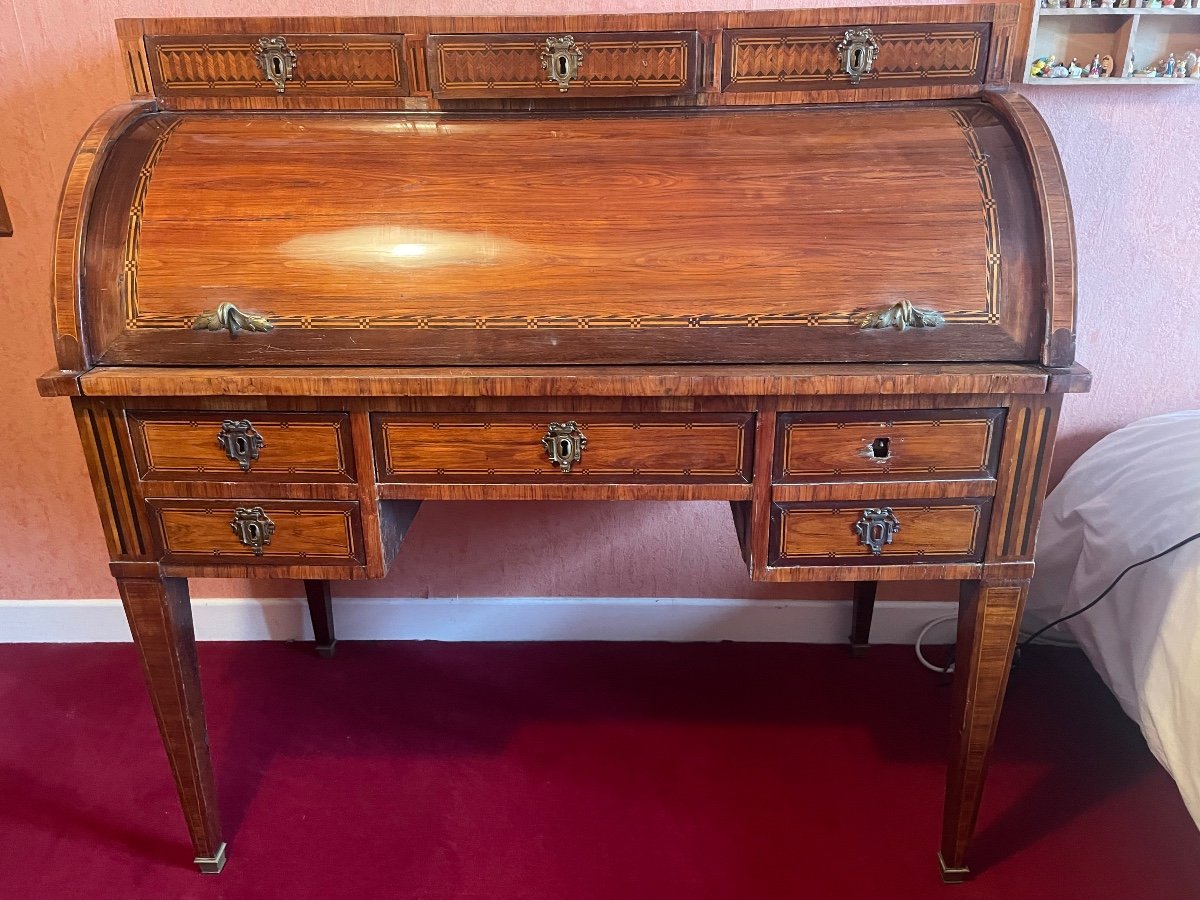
(991, 221)
(478, 64)
(324, 63)
(942, 531)
(466, 448)
(988, 313)
(810, 56)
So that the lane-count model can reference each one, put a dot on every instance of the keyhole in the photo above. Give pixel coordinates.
(240, 447)
(252, 534)
(564, 449)
(880, 448)
(276, 65)
(562, 65)
(857, 58)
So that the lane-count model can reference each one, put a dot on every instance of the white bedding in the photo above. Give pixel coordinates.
(1134, 494)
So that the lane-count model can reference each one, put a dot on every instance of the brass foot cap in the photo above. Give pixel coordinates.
(212, 865)
(326, 651)
(951, 874)
(859, 650)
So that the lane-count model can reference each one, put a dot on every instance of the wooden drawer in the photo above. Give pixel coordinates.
(797, 59)
(325, 64)
(929, 531)
(297, 447)
(312, 532)
(617, 64)
(918, 445)
(711, 448)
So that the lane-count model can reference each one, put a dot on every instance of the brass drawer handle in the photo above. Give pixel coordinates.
(875, 529)
(564, 443)
(240, 441)
(858, 48)
(562, 60)
(252, 527)
(227, 316)
(903, 316)
(277, 61)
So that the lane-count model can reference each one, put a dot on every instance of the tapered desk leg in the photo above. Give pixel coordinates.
(160, 617)
(320, 609)
(864, 608)
(988, 618)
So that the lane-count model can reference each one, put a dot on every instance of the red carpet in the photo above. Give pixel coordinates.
(573, 772)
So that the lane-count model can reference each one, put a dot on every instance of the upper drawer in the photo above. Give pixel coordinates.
(798, 59)
(598, 64)
(294, 64)
(956, 443)
(242, 446)
(706, 448)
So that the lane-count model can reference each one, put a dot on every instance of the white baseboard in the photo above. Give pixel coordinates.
(488, 619)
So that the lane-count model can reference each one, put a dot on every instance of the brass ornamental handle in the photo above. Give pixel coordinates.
(875, 529)
(277, 61)
(240, 441)
(858, 50)
(252, 527)
(562, 60)
(564, 443)
(903, 316)
(229, 317)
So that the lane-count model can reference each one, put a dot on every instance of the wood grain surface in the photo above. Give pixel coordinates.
(457, 448)
(183, 446)
(943, 444)
(401, 239)
(935, 530)
(306, 532)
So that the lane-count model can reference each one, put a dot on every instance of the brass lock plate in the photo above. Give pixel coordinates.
(253, 528)
(240, 441)
(876, 528)
(562, 60)
(564, 443)
(277, 61)
(858, 50)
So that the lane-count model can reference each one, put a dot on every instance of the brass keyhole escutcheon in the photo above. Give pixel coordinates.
(276, 60)
(562, 60)
(876, 528)
(858, 50)
(564, 443)
(252, 527)
(240, 441)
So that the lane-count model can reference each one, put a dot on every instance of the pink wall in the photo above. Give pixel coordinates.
(1134, 173)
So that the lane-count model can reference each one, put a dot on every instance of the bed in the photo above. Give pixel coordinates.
(1131, 496)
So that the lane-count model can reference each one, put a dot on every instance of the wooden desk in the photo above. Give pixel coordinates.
(816, 263)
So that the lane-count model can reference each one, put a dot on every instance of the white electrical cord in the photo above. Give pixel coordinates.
(921, 637)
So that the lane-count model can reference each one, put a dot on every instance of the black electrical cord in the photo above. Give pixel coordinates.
(1029, 640)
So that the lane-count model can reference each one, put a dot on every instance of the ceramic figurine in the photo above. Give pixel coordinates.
(1039, 66)
(1169, 69)
(1058, 70)
(1127, 72)
(1106, 4)
(1108, 68)
(1074, 70)
(1193, 59)
(1093, 70)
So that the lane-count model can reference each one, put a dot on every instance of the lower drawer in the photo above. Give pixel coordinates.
(879, 532)
(270, 532)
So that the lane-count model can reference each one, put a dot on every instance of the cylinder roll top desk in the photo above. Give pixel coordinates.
(816, 263)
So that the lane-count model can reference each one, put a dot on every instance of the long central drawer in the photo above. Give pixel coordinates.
(712, 448)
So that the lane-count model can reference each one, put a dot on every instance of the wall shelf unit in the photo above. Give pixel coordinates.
(1151, 34)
